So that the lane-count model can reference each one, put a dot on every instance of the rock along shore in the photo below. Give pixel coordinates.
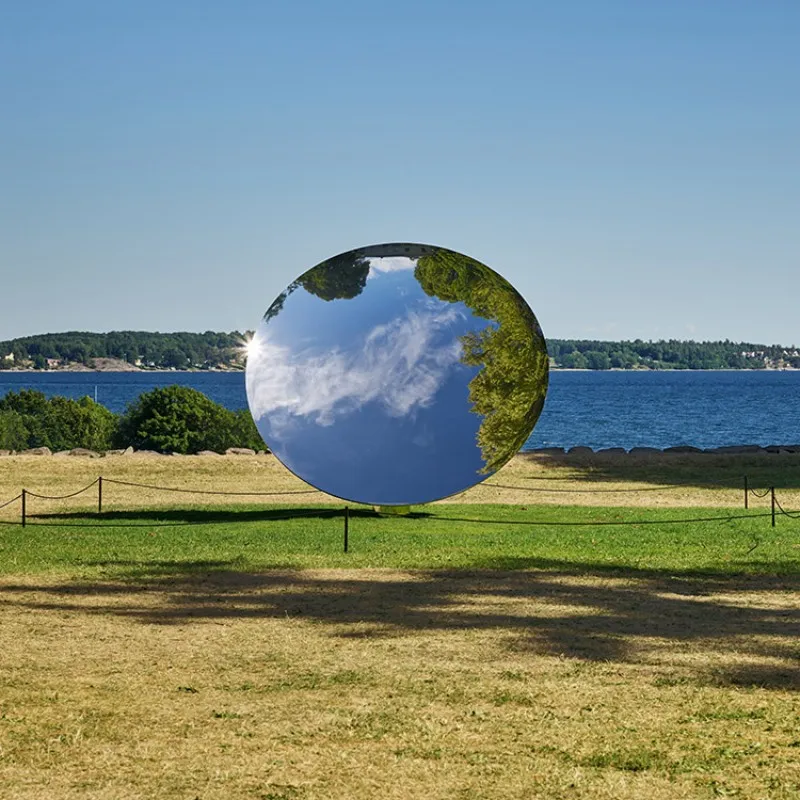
(82, 452)
(746, 449)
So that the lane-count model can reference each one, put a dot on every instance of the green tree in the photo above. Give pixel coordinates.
(510, 388)
(342, 277)
(598, 360)
(13, 433)
(243, 431)
(34, 411)
(80, 423)
(61, 423)
(574, 360)
(175, 358)
(182, 420)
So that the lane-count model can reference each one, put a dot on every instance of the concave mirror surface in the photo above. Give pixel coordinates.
(397, 374)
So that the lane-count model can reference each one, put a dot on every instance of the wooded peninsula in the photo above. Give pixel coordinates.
(143, 350)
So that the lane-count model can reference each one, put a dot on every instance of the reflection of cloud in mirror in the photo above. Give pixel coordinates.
(389, 264)
(395, 364)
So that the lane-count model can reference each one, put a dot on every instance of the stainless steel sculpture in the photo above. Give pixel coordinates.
(397, 374)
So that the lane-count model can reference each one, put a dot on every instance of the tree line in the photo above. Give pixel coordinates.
(143, 349)
(669, 354)
(172, 419)
(210, 350)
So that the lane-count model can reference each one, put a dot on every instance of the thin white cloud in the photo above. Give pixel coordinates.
(395, 365)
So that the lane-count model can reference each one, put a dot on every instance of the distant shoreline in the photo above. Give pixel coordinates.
(162, 371)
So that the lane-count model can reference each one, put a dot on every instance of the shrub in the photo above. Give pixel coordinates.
(182, 420)
(34, 412)
(80, 423)
(13, 433)
(31, 420)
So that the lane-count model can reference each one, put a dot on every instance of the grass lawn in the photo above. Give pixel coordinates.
(517, 649)
(129, 544)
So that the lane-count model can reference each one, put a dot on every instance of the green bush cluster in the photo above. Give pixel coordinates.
(171, 419)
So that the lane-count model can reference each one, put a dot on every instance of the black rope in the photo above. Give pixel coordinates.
(61, 496)
(531, 523)
(585, 491)
(792, 514)
(12, 500)
(542, 478)
(206, 491)
(756, 494)
(705, 484)
(540, 523)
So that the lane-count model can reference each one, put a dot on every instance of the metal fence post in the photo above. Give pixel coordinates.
(772, 496)
(100, 495)
(24, 503)
(346, 526)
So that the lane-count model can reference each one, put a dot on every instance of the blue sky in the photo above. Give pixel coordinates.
(633, 168)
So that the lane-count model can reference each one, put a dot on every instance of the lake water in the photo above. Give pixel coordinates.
(595, 409)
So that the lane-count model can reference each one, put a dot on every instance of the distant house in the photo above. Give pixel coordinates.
(9, 357)
(52, 362)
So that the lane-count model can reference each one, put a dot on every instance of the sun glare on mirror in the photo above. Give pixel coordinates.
(250, 346)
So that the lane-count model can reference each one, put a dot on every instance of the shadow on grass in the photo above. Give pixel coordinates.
(735, 630)
(700, 470)
(155, 518)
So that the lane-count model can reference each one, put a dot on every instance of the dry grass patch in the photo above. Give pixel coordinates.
(379, 683)
(703, 480)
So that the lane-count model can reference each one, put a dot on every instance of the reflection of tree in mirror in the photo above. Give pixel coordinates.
(510, 389)
(342, 277)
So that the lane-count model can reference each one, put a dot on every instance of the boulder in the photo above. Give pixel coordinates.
(739, 449)
(239, 451)
(83, 452)
(208, 453)
(643, 451)
(37, 451)
(128, 451)
(115, 452)
(612, 451)
(580, 450)
(683, 448)
(6, 452)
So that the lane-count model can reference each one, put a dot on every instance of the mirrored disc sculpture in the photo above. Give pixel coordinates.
(397, 374)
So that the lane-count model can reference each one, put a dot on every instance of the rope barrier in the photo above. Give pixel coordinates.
(12, 500)
(599, 523)
(208, 491)
(582, 491)
(529, 523)
(791, 514)
(705, 484)
(61, 496)
(99, 482)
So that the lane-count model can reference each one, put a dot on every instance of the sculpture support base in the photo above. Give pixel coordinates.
(397, 511)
